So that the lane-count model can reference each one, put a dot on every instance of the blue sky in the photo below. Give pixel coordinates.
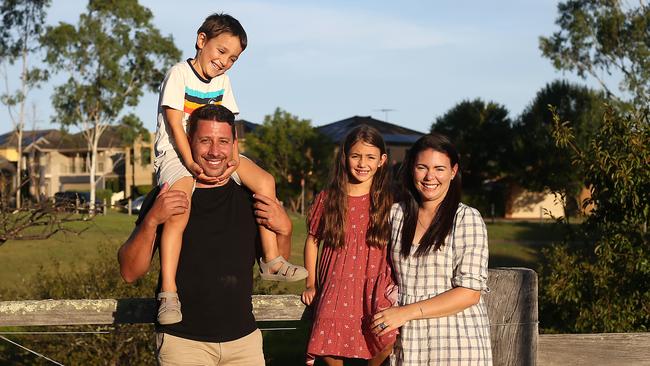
(326, 61)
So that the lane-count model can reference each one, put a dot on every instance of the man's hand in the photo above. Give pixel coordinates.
(270, 214)
(167, 204)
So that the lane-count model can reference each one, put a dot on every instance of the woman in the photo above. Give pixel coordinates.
(439, 254)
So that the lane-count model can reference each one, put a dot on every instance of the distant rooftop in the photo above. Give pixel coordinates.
(392, 134)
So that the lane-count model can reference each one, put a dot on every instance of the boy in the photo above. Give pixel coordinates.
(188, 85)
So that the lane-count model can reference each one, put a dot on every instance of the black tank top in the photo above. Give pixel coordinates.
(214, 276)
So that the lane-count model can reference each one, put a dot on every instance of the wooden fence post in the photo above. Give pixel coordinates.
(512, 309)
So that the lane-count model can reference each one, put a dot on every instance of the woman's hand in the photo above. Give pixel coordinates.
(389, 319)
(308, 295)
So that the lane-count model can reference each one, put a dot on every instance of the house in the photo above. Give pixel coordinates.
(58, 161)
(398, 139)
(243, 127)
(529, 205)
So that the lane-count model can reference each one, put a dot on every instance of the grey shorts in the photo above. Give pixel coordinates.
(169, 168)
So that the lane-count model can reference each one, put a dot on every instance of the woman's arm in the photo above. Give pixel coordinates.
(310, 254)
(447, 303)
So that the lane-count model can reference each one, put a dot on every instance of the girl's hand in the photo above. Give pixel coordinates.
(308, 296)
(389, 319)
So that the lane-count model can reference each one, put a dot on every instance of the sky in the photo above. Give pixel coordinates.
(405, 62)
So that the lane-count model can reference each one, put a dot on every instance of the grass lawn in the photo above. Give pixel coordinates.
(512, 244)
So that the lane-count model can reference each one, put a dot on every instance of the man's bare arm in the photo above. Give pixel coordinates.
(136, 253)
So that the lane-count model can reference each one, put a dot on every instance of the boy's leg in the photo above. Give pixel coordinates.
(171, 242)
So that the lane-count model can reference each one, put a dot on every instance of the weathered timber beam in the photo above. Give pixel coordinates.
(125, 311)
(612, 349)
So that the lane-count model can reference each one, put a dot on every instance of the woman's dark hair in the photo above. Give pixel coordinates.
(336, 207)
(443, 220)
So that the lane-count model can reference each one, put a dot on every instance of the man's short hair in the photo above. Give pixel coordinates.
(211, 112)
(219, 23)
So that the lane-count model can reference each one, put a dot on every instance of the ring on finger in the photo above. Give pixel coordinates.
(382, 326)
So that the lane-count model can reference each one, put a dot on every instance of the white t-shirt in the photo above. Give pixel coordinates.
(185, 90)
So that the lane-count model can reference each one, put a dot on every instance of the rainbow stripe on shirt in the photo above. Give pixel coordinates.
(195, 99)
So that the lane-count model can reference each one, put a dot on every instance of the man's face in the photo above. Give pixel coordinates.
(212, 146)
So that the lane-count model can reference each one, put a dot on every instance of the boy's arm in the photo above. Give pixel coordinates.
(135, 254)
(174, 119)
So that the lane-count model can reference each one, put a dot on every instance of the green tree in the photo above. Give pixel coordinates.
(482, 133)
(540, 164)
(598, 280)
(22, 25)
(291, 150)
(601, 37)
(112, 54)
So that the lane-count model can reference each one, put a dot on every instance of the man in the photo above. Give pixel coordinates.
(215, 267)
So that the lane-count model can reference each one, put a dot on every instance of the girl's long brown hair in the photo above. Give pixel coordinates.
(336, 206)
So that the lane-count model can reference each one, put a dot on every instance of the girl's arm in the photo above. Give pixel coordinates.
(310, 254)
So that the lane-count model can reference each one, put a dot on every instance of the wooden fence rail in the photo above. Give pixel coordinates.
(511, 302)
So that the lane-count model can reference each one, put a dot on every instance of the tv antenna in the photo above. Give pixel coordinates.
(385, 110)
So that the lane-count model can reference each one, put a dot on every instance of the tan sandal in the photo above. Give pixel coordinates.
(286, 273)
(169, 310)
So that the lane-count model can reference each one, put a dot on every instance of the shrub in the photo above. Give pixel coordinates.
(598, 279)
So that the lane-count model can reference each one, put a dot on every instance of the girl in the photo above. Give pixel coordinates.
(439, 254)
(354, 280)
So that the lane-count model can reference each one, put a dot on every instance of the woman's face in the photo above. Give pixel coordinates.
(432, 174)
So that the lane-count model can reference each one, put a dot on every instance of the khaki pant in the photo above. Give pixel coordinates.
(245, 351)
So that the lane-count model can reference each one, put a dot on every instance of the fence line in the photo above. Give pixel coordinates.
(511, 303)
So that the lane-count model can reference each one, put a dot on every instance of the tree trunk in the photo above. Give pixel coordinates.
(93, 165)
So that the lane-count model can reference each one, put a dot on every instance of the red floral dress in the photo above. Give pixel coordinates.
(353, 283)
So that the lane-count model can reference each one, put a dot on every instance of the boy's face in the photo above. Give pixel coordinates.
(216, 55)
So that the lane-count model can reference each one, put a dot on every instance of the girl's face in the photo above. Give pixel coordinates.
(432, 174)
(363, 161)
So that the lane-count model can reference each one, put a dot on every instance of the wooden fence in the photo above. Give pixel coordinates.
(511, 303)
